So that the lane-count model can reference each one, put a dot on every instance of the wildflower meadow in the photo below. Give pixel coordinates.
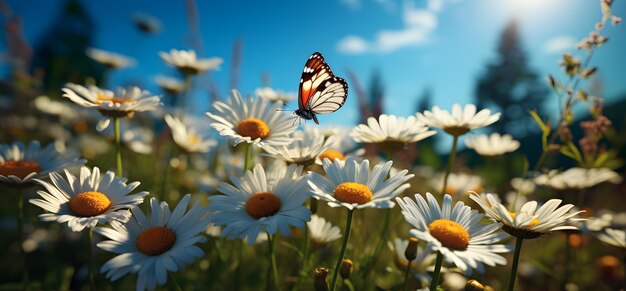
(112, 184)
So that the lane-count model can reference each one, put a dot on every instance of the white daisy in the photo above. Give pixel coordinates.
(189, 135)
(322, 232)
(460, 121)
(252, 120)
(20, 164)
(578, 178)
(492, 145)
(455, 232)
(390, 132)
(530, 221)
(109, 59)
(153, 246)
(424, 258)
(353, 185)
(187, 63)
(614, 237)
(275, 96)
(307, 145)
(119, 104)
(523, 186)
(88, 199)
(340, 144)
(170, 85)
(459, 183)
(260, 202)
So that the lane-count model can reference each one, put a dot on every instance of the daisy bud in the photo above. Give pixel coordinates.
(582, 95)
(473, 285)
(346, 268)
(319, 279)
(615, 20)
(551, 81)
(588, 72)
(411, 249)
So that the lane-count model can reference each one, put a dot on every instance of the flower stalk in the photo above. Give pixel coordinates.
(342, 252)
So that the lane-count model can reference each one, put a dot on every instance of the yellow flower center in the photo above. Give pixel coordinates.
(193, 139)
(20, 169)
(450, 190)
(156, 240)
(88, 204)
(102, 97)
(332, 155)
(253, 128)
(479, 189)
(450, 234)
(532, 223)
(352, 192)
(262, 204)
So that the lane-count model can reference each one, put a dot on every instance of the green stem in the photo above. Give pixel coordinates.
(342, 252)
(246, 165)
(20, 237)
(518, 250)
(348, 284)
(449, 165)
(435, 280)
(305, 258)
(273, 261)
(176, 285)
(92, 284)
(381, 239)
(406, 276)
(542, 158)
(118, 149)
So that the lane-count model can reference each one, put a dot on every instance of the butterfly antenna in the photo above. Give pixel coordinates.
(288, 108)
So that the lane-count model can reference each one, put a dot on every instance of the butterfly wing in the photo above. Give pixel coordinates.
(314, 73)
(320, 90)
(330, 95)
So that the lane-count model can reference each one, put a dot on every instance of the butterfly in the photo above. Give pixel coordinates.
(320, 91)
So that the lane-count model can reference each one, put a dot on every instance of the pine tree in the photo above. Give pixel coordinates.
(510, 86)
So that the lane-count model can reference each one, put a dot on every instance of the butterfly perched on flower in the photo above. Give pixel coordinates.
(320, 90)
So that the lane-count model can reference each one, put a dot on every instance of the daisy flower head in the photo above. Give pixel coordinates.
(459, 183)
(340, 144)
(170, 85)
(88, 199)
(307, 145)
(321, 231)
(122, 103)
(252, 121)
(21, 164)
(154, 245)
(423, 258)
(261, 202)
(109, 59)
(531, 221)
(189, 135)
(391, 133)
(275, 96)
(492, 145)
(578, 178)
(614, 237)
(187, 63)
(353, 185)
(460, 121)
(454, 231)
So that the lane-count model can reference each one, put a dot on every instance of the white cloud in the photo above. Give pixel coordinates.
(353, 4)
(419, 25)
(559, 44)
(352, 44)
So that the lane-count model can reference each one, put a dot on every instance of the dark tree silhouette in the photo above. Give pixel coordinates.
(510, 86)
(60, 54)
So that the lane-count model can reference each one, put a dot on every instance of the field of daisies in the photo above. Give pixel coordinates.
(122, 189)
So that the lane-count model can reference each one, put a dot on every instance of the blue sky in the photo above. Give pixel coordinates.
(440, 44)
